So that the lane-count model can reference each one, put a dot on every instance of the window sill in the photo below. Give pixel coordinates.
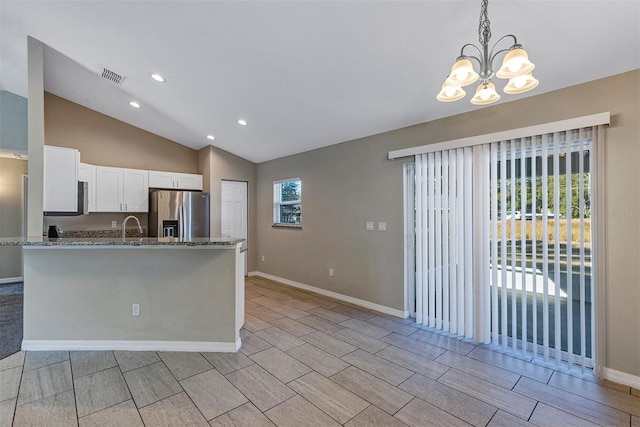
(299, 226)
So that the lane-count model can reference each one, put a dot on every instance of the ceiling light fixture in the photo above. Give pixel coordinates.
(242, 122)
(515, 66)
(134, 104)
(157, 77)
(211, 137)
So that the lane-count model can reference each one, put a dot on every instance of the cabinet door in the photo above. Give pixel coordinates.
(87, 173)
(109, 189)
(188, 181)
(136, 190)
(60, 183)
(159, 179)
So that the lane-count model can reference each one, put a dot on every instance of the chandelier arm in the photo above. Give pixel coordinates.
(473, 46)
(515, 43)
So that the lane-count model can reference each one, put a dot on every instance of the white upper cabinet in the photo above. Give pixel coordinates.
(121, 190)
(127, 190)
(60, 191)
(109, 189)
(135, 190)
(159, 179)
(87, 173)
(175, 181)
(188, 181)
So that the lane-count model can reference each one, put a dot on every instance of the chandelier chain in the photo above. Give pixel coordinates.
(484, 29)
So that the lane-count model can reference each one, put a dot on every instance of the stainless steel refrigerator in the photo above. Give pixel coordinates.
(181, 214)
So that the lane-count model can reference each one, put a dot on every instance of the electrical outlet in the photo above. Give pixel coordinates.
(114, 224)
(369, 225)
(262, 258)
(135, 310)
(382, 226)
(331, 272)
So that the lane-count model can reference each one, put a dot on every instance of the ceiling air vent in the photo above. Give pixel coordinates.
(113, 77)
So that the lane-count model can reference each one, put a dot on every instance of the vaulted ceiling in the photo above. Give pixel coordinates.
(303, 74)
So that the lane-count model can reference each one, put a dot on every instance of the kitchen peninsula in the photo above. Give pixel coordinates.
(161, 294)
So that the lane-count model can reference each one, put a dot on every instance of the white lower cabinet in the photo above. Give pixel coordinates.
(121, 190)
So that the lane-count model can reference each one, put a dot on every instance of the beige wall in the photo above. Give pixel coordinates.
(216, 165)
(105, 141)
(11, 172)
(348, 184)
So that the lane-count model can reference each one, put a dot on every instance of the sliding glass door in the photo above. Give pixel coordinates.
(503, 248)
(540, 240)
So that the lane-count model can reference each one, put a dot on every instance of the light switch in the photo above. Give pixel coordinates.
(369, 225)
(382, 226)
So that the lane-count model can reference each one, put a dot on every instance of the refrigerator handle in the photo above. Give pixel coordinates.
(186, 213)
(180, 222)
(185, 222)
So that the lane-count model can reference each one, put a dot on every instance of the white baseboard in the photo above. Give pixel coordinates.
(335, 295)
(70, 345)
(10, 280)
(621, 377)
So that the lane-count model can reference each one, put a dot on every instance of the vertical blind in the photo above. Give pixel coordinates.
(444, 263)
(503, 243)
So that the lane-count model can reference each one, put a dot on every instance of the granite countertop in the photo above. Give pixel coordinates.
(221, 242)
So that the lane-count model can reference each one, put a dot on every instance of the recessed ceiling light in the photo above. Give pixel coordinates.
(157, 77)
(134, 104)
(211, 137)
(242, 122)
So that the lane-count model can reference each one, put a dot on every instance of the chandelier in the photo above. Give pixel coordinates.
(515, 66)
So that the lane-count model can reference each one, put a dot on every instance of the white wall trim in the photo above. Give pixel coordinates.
(335, 295)
(68, 345)
(10, 280)
(621, 377)
(409, 237)
(599, 252)
(561, 125)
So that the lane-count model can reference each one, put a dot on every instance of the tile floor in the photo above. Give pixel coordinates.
(308, 360)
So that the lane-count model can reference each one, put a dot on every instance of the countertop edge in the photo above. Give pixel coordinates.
(230, 243)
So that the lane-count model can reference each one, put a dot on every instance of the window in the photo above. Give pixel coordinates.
(287, 202)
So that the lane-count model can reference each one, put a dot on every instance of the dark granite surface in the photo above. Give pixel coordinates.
(221, 242)
(113, 233)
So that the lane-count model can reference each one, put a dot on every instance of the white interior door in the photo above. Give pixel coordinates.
(234, 211)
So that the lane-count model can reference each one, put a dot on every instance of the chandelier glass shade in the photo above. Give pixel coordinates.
(451, 93)
(485, 94)
(516, 67)
(520, 84)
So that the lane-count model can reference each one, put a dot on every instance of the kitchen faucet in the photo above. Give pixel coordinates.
(124, 226)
